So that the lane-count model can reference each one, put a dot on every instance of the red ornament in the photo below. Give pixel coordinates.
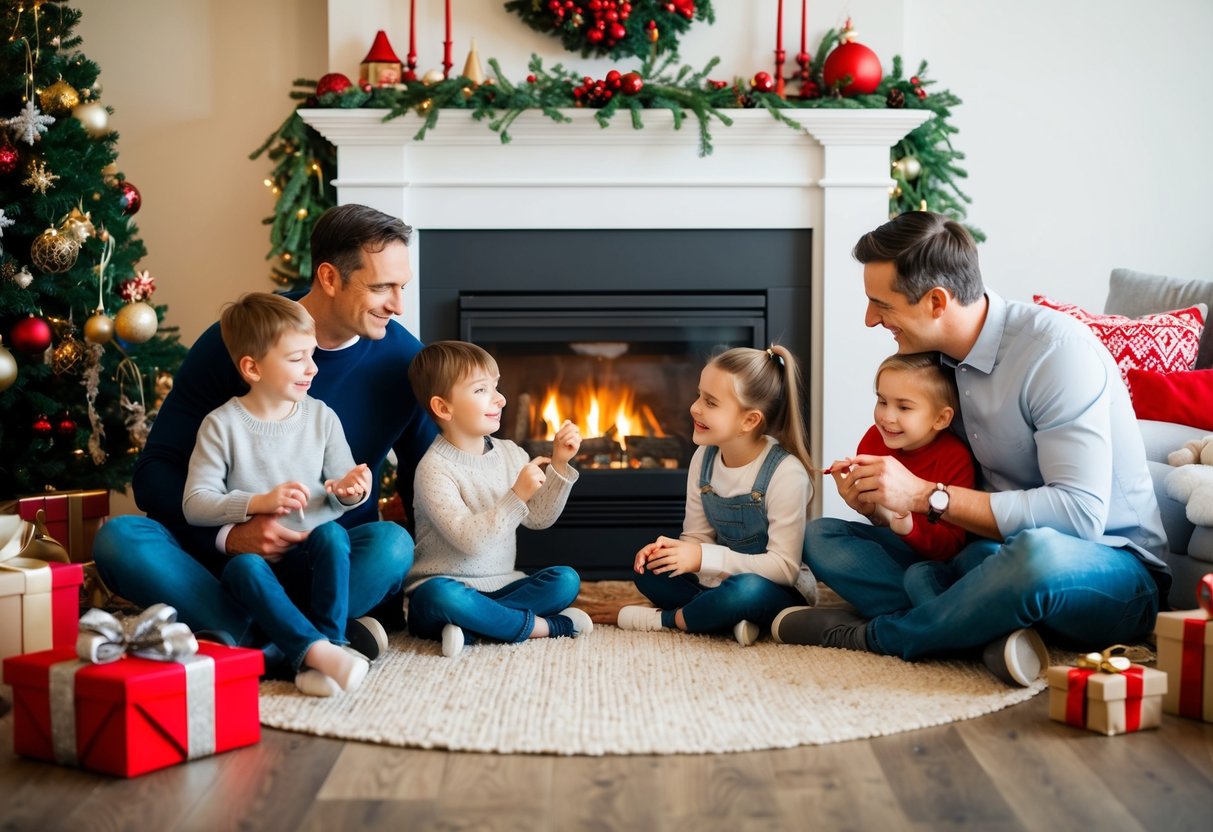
(333, 82)
(66, 425)
(631, 83)
(920, 92)
(856, 61)
(762, 82)
(10, 159)
(42, 426)
(129, 199)
(30, 335)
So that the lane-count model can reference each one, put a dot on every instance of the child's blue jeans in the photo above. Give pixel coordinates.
(507, 614)
(743, 597)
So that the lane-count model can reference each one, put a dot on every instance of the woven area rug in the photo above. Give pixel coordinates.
(622, 692)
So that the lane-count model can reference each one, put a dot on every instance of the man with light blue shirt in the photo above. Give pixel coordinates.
(1065, 536)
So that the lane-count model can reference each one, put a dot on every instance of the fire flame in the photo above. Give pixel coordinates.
(600, 411)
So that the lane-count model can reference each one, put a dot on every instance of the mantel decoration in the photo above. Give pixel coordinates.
(924, 163)
(614, 29)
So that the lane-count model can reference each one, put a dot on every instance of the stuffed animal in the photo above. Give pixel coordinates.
(1193, 451)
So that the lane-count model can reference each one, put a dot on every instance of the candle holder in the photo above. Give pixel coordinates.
(780, 56)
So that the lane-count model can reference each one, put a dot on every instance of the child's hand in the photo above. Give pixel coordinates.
(901, 524)
(282, 499)
(672, 557)
(530, 478)
(353, 485)
(565, 445)
(642, 557)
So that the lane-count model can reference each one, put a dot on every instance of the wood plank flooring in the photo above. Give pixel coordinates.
(1012, 770)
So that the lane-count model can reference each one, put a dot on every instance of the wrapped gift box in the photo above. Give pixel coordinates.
(72, 518)
(134, 715)
(1107, 703)
(1185, 653)
(39, 605)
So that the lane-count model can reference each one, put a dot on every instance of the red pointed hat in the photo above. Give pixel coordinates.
(381, 51)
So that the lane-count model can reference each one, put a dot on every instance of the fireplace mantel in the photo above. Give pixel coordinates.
(832, 176)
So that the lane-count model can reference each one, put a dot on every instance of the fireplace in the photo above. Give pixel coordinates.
(616, 344)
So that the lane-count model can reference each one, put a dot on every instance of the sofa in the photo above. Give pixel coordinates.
(1134, 294)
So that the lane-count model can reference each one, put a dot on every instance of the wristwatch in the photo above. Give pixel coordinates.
(937, 503)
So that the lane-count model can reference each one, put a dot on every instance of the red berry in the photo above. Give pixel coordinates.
(631, 83)
(921, 92)
(618, 32)
(530, 79)
(915, 81)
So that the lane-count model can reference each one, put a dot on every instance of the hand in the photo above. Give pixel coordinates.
(841, 471)
(262, 535)
(671, 557)
(353, 485)
(282, 499)
(530, 478)
(565, 445)
(899, 524)
(882, 480)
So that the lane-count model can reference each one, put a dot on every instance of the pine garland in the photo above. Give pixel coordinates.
(647, 26)
(928, 180)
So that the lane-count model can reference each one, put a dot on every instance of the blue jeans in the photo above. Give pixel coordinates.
(1081, 594)
(507, 614)
(742, 597)
(140, 560)
(301, 598)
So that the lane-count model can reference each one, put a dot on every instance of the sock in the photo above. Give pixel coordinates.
(344, 667)
(560, 626)
(667, 619)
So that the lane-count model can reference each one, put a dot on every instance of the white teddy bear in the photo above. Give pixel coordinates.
(1191, 482)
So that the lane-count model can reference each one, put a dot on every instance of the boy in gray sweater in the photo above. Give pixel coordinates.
(276, 450)
(470, 494)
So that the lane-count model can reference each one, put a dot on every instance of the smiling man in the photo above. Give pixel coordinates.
(1066, 532)
(361, 266)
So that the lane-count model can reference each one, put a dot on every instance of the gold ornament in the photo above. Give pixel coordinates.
(471, 67)
(424, 107)
(59, 98)
(40, 178)
(162, 387)
(53, 252)
(67, 356)
(433, 76)
(911, 168)
(78, 225)
(8, 369)
(99, 329)
(136, 322)
(94, 117)
(109, 174)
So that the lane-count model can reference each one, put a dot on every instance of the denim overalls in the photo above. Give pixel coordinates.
(740, 524)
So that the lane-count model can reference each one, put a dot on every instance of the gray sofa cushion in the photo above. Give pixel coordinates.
(1134, 294)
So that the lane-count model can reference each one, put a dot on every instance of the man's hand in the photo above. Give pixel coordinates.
(565, 446)
(282, 499)
(353, 485)
(667, 556)
(530, 478)
(262, 535)
(882, 480)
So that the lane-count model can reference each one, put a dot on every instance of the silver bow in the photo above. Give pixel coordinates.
(154, 634)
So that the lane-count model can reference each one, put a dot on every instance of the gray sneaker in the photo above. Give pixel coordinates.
(1017, 658)
(819, 627)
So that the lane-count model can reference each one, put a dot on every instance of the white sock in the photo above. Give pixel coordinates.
(581, 621)
(452, 640)
(634, 617)
(315, 683)
(746, 632)
(345, 667)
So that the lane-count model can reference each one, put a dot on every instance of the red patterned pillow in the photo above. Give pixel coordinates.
(1166, 342)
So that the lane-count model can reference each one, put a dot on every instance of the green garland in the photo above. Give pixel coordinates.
(924, 163)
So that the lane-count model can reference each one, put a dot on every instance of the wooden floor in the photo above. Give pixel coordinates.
(1014, 769)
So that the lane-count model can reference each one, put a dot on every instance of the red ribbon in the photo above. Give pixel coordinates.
(1192, 660)
(1076, 697)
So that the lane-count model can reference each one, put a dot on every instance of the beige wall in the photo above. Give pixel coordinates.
(196, 86)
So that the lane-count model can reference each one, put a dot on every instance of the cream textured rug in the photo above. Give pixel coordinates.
(622, 692)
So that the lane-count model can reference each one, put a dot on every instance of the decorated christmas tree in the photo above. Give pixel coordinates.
(84, 360)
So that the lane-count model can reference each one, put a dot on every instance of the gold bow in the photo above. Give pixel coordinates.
(154, 634)
(1111, 660)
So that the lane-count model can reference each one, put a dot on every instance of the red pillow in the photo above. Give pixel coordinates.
(1184, 398)
(1166, 342)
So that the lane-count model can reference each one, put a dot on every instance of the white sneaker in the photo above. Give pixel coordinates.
(582, 625)
(746, 632)
(635, 617)
(1018, 658)
(452, 640)
(314, 683)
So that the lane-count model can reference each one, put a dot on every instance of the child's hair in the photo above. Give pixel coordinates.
(940, 386)
(254, 323)
(439, 366)
(769, 381)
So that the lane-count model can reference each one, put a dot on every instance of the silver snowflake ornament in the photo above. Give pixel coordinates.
(29, 124)
(5, 222)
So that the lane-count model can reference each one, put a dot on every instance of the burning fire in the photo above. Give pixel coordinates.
(600, 411)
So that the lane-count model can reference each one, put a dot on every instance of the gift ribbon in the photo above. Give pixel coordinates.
(1192, 660)
(155, 634)
(36, 605)
(1076, 695)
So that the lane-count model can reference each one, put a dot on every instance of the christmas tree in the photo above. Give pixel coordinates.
(84, 360)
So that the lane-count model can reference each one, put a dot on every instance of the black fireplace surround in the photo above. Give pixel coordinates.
(566, 309)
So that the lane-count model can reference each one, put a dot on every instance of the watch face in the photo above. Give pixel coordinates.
(938, 500)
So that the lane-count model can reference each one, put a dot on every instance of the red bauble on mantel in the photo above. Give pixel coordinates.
(333, 82)
(762, 82)
(30, 335)
(853, 60)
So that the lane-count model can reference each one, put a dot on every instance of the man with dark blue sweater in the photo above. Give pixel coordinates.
(360, 268)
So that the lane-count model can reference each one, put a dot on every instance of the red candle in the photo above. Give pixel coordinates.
(804, 16)
(411, 69)
(778, 29)
(446, 51)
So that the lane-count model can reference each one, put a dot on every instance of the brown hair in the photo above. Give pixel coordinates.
(938, 385)
(254, 323)
(343, 233)
(769, 381)
(928, 250)
(439, 366)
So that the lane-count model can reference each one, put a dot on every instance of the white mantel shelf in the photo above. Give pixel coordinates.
(832, 176)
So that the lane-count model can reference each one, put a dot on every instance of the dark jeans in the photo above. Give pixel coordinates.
(507, 614)
(743, 597)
